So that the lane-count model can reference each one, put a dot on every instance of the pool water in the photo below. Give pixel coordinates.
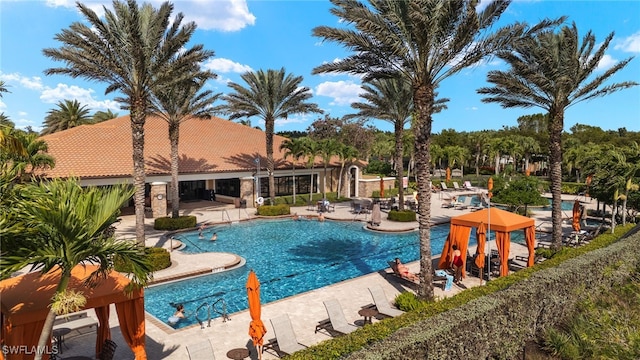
(289, 257)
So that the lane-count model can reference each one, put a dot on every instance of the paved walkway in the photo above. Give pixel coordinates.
(304, 310)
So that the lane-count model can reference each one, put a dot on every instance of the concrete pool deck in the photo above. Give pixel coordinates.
(305, 310)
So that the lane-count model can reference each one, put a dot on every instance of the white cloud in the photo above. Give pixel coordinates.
(22, 113)
(606, 62)
(290, 120)
(342, 92)
(225, 15)
(630, 44)
(33, 83)
(2, 105)
(221, 65)
(83, 96)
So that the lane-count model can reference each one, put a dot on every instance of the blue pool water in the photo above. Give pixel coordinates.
(289, 257)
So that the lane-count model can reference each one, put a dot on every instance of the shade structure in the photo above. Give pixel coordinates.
(576, 216)
(381, 187)
(23, 314)
(448, 174)
(501, 221)
(257, 329)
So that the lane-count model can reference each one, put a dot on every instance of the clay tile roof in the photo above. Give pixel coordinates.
(206, 146)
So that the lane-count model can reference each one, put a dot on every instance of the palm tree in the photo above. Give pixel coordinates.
(425, 42)
(311, 149)
(61, 225)
(551, 71)
(295, 149)
(101, 116)
(69, 114)
(389, 100)
(328, 148)
(176, 105)
(346, 154)
(270, 95)
(478, 141)
(33, 158)
(155, 50)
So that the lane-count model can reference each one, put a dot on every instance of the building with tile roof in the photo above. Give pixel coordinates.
(216, 156)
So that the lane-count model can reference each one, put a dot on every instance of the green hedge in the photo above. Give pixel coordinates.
(387, 193)
(479, 322)
(274, 210)
(159, 258)
(169, 223)
(303, 199)
(402, 216)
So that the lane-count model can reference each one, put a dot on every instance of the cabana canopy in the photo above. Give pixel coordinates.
(500, 221)
(25, 304)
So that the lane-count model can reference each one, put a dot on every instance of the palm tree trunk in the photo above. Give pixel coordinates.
(555, 173)
(269, 124)
(294, 183)
(174, 137)
(138, 118)
(340, 179)
(423, 102)
(47, 329)
(398, 160)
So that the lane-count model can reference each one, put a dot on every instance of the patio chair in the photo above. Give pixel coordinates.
(465, 204)
(456, 187)
(444, 187)
(438, 280)
(285, 342)
(202, 350)
(339, 323)
(467, 186)
(382, 304)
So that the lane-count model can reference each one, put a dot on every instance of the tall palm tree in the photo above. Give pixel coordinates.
(153, 47)
(270, 95)
(69, 114)
(61, 225)
(328, 148)
(553, 71)
(346, 154)
(295, 149)
(425, 42)
(175, 105)
(311, 149)
(389, 100)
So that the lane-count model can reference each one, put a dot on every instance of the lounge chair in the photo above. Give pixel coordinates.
(339, 323)
(465, 204)
(456, 187)
(467, 186)
(444, 187)
(285, 342)
(202, 350)
(438, 280)
(382, 304)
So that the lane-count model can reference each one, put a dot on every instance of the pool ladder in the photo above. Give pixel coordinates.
(212, 308)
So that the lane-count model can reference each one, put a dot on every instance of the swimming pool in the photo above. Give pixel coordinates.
(289, 257)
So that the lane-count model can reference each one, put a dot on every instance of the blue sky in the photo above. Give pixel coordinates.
(253, 35)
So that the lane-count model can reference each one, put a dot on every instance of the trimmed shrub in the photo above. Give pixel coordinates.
(402, 216)
(274, 210)
(169, 223)
(408, 301)
(159, 258)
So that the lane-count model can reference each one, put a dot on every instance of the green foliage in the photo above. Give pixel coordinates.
(573, 188)
(302, 199)
(158, 258)
(379, 167)
(169, 223)
(387, 193)
(605, 326)
(408, 301)
(520, 192)
(402, 216)
(274, 210)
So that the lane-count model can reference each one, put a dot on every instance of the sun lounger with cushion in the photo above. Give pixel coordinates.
(467, 186)
(444, 187)
(285, 342)
(465, 204)
(440, 281)
(456, 187)
(382, 304)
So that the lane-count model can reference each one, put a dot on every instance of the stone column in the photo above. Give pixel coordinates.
(247, 191)
(159, 199)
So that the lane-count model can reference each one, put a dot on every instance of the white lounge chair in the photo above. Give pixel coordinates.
(336, 316)
(382, 304)
(456, 187)
(201, 351)
(467, 186)
(444, 187)
(285, 340)
(465, 204)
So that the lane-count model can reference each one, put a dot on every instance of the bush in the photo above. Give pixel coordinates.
(408, 301)
(169, 223)
(379, 167)
(573, 188)
(387, 193)
(402, 216)
(158, 258)
(274, 210)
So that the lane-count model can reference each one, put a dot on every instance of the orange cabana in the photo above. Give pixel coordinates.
(500, 221)
(25, 305)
